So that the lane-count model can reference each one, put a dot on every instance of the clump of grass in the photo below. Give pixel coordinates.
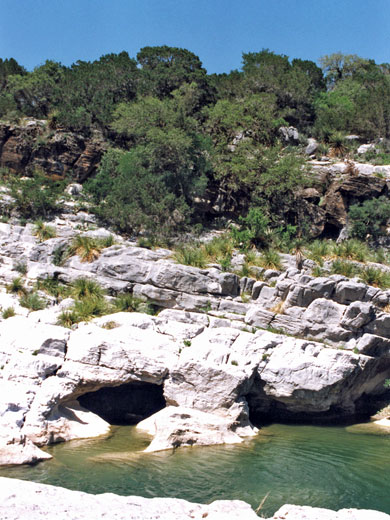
(16, 286)
(8, 313)
(68, 318)
(53, 286)
(318, 250)
(244, 271)
(191, 255)
(60, 255)
(351, 249)
(218, 247)
(375, 277)
(344, 268)
(126, 302)
(270, 259)
(32, 301)
(146, 242)
(87, 248)
(225, 262)
(43, 231)
(317, 271)
(91, 307)
(21, 267)
(86, 288)
(109, 325)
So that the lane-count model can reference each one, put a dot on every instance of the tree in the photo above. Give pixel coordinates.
(165, 69)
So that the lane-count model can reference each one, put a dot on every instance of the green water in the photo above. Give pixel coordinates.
(332, 467)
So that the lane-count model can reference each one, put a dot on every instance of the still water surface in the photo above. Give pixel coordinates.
(332, 467)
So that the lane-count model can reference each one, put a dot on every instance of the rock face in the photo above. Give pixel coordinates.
(32, 146)
(21, 500)
(316, 513)
(205, 366)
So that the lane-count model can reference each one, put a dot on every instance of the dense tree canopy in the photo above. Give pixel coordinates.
(193, 142)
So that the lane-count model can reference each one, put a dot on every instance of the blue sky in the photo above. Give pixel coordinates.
(218, 31)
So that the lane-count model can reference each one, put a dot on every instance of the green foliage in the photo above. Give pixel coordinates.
(344, 268)
(253, 229)
(83, 288)
(86, 247)
(21, 267)
(43, 231)
(16, 286)
(37, 196)
(9, 312)
(191, 255)
(270, 259)
(32, 301)
(375, 277)
(52, 286)
(369, 219)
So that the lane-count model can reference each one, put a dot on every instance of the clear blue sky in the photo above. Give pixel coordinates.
(218, 31)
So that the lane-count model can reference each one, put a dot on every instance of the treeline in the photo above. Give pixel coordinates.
(186, 143)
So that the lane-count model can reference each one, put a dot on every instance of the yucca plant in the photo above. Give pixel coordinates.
(344, 268)
(126, 302)
(91, 307)
(85, 288)
(43, 231)
(191, 255)
(87, 248)
(338, 144)
(318, 250)
(270, 259)
(32, 301)
(16, 286)
(375, 277)
(68, 318)
(8, 313)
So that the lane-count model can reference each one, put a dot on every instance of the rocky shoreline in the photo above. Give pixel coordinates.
(223, 352)
(20, 500)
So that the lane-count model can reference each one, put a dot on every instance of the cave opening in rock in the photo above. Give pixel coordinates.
(125, 404)
(330, 232)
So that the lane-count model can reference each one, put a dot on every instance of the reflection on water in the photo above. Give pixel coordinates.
(331, 467)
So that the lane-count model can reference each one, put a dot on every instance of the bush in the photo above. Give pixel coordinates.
(37, 196)
(369, 219)
(52, 286)
(16, 286)
(191, 255)
(87, 248)
(43, 231)
(270, 259)
(344, 268)
(32, 301)
(126, 302)
(8, 313)
(86, 288)
(375, 277)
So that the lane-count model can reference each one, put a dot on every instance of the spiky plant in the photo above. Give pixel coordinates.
(270, 259)
(87, 248)
(338, 144)
(85, 288)
(43, 231)
(16, 286)
(32, 301)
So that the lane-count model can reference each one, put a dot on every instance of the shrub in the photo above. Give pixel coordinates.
(60, 255)
(8, 313)
(270, 259)
(32, 301)
(16, 286)
(86, 288)
(43, 231)
(344, 268)
(191, 255)
(253, 229)
(21, 267)
(37, 196)
(87, 248)
(369, 218)
(351, 249)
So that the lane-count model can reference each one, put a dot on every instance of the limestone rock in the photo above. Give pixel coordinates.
(21, 500)
(316, 513)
